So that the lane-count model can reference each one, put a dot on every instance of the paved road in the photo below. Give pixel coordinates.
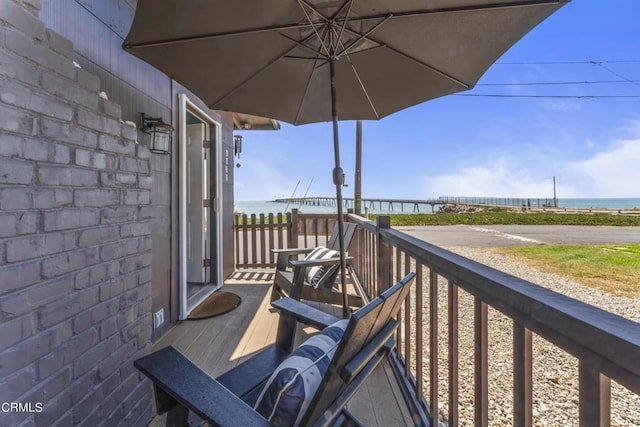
(522, 235)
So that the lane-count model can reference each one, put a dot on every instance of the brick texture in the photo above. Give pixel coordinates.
(75, 253)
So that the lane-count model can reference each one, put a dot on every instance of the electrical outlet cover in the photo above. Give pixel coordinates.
(158, 318)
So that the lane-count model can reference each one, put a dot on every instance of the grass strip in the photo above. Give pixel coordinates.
(513, 218)
(612, 268)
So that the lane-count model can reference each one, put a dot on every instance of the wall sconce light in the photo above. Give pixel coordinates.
(160, 134)
(237, 145)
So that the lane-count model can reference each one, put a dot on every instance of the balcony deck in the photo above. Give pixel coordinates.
(219, 343)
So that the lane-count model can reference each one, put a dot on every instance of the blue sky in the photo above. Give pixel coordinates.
(487, 146)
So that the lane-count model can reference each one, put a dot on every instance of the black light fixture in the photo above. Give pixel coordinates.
(160, 134)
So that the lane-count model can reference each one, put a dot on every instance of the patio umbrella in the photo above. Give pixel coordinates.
(304, 61)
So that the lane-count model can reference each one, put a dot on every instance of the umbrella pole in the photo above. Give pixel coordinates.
(338, 180)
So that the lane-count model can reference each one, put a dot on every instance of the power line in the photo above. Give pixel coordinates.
(492, 95)
(585, 82)
(615, 73)
(600, 64)
(620, 61)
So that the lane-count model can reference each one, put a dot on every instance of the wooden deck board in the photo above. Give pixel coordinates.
(219, 343)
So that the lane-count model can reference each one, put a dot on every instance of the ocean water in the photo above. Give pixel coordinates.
(266, 207)
(624, 203)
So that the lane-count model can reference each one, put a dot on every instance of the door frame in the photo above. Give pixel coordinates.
(215, 154)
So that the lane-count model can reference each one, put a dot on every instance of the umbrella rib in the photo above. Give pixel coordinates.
(315, 30)
(306, 90)
(417, 61)
(267, 65)
(325, 60)
(430, 67)
(313, 70)
(364, 89)
(310, 58)
(348, 2)
(365, 36)
(132, 46)
(364, 50)
(302, 45)
(303, 2)
(346, 17)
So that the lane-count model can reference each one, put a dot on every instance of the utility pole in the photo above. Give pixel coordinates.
(555, 197)
(358, 173)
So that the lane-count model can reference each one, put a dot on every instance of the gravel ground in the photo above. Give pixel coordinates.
(555, 373)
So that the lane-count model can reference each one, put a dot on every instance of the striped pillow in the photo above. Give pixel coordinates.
(288, 392)
(317, 275)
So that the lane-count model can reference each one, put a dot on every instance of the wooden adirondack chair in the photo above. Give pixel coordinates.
(180, 386)
(295, 282)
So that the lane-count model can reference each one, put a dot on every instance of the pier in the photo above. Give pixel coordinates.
(415, 205)
(373, 204)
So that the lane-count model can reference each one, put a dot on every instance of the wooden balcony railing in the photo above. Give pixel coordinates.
(430, 359)
(256, 235)
(606, 346)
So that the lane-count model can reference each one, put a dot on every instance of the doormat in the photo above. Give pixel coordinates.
(218, 303)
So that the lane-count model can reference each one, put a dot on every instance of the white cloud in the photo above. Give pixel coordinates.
(501, 178)
(261, 181)
(561, 105)
(607, 174)
(614, 173)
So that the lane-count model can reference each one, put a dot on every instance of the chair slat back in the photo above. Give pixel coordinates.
(395, 296)
(364, 325)
(349, 231)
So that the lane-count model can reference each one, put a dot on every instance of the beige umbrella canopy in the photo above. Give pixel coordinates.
(304, 61)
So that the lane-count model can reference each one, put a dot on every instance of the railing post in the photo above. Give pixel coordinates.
(522, 376)
(245, 240)
(453, 335)
(236, 240)
(481, 343)
(292, 228)
(595, 396)
(385, 279)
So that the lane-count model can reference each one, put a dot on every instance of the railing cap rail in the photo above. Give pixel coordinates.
(579, 328)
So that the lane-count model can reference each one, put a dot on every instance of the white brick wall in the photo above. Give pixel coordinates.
(75, 257)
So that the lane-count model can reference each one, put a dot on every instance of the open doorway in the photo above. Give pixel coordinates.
(199, 195)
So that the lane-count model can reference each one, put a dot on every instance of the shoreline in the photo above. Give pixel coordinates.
(598, 205)
(473, 208)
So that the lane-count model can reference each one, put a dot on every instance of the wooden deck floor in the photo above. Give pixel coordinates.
(219, 343)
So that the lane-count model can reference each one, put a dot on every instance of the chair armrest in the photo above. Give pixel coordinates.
(318, 262)
(304, 313)
(292, 251)
(181, 382)
(283, 256)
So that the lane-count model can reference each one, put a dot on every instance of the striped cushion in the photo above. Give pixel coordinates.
(287, 394)
(316, 276)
